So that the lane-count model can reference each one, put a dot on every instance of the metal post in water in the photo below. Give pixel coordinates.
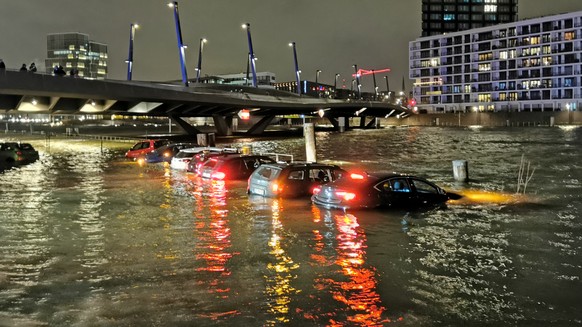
(309, 133)
(341, 124)
(460, 170)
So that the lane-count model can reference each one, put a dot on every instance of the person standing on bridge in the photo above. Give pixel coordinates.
(32, 68)
(23, 68)
(2, 65)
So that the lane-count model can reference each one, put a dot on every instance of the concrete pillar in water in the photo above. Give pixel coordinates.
(309, 133)
(342, 124)
(552, 121)
(461, 170)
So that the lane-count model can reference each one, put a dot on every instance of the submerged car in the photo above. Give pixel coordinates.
(380, 190)
(181, 160)
(167, 152)
(291, 179)
(231, 166)
(140, 149)
(15, 153)
(200, 158)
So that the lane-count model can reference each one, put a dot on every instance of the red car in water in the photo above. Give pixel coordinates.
(141, 148)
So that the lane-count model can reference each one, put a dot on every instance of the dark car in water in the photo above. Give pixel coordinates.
(200, 158)
(291, 179)
(167, 152)
(231, 166)
(380, 190)
(16, 153)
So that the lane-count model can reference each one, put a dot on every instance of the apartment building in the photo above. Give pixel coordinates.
(530, 65)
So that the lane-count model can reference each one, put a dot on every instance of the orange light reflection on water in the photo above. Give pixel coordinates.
(358, 291)
(470, 196)
(279, 281)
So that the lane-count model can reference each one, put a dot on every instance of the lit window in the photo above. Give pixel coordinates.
(490, 8)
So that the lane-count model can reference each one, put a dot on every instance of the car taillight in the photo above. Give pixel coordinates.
(275, 188)
(218, 175)
(356, 176)
(316, 190)
(348, 196)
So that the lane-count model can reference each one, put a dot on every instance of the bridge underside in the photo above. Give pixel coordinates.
(46, 94)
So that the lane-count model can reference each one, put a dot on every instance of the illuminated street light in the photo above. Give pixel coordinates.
(129, 60)
(317, 81)
(252, 58)
(335, 84)
(199, 67)
(357, 79)
(181, 45)
(297, 71)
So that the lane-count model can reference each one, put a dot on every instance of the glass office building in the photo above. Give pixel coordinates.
(444, 16)
(531, 65)
(74, 51)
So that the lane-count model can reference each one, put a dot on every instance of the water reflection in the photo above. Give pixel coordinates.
(355, 287)
(281, 275)
(212, 247)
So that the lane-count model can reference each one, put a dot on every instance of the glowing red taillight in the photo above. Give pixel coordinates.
(356, 176)
(218, 175)
(275, 188)
(348, 196)
(316, 190)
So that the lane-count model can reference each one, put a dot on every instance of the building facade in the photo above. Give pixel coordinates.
(444, 16)
(529, 65)
(74, 51)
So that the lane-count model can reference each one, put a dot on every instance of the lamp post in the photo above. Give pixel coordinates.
(129, 61)
(317, 81)
(375, 87)
(335, 85)
(297, 71)
(199, 67)
(358, 85)
(387, 88)
(181, 45)
(247, 26)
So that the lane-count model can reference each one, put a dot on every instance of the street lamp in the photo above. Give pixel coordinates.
(387, 88)
(199, 67)
(129, 60)
(317, 81)
(375, 87)
(335, 84)
(181, 45)
(247, 26)
(357, 79)
(297, 71)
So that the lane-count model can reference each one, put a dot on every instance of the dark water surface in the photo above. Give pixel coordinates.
(88, 239)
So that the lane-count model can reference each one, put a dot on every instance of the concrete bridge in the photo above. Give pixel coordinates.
(26, 92)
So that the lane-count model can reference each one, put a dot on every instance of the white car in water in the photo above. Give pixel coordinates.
(181, 160)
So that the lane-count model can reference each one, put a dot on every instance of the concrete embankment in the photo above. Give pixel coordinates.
(490, 119)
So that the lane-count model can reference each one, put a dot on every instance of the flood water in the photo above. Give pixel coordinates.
(88, 239)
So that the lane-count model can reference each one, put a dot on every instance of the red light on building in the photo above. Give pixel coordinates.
(244, 114)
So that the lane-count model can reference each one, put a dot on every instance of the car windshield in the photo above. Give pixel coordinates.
(268, 172)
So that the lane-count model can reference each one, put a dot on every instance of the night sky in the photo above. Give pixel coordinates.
(331, 35)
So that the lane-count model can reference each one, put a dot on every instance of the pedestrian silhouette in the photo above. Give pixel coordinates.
(32, 68)
(23, 68)
(2, 65)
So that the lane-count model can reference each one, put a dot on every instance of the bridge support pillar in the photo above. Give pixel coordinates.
(189, 129)
(260, 127)
(223, 125)
(362, 121)
(374, 123)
